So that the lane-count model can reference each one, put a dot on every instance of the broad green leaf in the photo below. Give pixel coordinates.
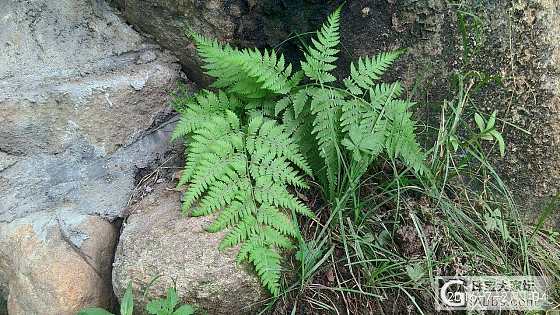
(155, 307)
(491, 121)
(94, 311)
(172, 299)
(415, 272)
(479, 122)
(454, 142)
(501, 144)
(184, 310)
(127, 303)
(487, 137)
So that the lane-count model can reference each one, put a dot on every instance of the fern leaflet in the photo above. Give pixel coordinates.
(321, 56)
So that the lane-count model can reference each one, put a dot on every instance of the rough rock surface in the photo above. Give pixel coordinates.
(56, 264)
(83, 107)
(240, 22)
(157, 240)
(517, 40)
(529, 62)
(79, 91)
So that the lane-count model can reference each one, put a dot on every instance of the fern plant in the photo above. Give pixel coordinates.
(244, 171)
(264, 128)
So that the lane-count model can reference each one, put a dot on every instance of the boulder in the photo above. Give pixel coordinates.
(158, 241)
(517, 41)
(84, 108)
(56, 264)
(82, 116)
(242, 23)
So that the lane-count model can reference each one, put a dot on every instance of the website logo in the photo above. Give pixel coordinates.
(524, 293)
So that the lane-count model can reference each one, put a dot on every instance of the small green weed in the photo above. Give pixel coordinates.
(166, 306)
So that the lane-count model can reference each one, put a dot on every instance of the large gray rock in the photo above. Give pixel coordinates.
(83, 107)
(79, 91)
(518, 41)
(157, 240)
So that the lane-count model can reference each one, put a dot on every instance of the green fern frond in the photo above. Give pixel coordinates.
(277, 195)
(401, 137)
(266, 260)
(321, 56)
(207, 174)
(384, 122)
(326, 106)
(242, 206)
(224, 63)
(184, 127)
(353, 111)
(283, 172)
(248, 73)
(263, 107)
(222, 193)
(379, 97)
(296, 78)
(268, 69)
(300, 129)
(247, 227)
(267, 137)
(272, 216)
(268, 267)
(300, 101)
(362, 142)
(368, 71)
(198, 109)
(248, 247)
(282, 104)
(230, 215)
(273, 237)
(380, 93)
(209, 136)
(243, 174)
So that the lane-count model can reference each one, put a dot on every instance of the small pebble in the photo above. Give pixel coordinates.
(365, 11)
